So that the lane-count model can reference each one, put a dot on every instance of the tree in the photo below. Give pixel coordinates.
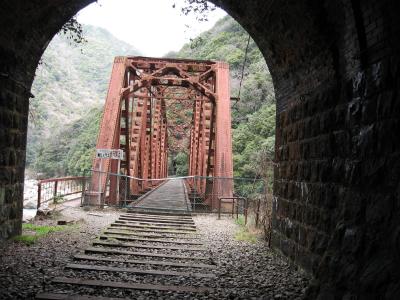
(181, 164)
(200, 8)
(73, 31)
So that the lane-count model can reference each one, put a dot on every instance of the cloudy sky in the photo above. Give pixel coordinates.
(152, 26)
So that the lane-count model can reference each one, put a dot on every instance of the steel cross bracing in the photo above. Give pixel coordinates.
(134, 120)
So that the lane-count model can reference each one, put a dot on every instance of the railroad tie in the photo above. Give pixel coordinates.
(149, 248)
(110, 235)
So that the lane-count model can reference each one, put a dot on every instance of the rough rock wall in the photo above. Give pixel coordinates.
(27, 28)
(335, 66)
(336, 207)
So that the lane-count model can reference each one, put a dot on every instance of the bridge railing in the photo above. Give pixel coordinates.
(247, 198)
(250, 197)
(120, 190)
(204, 192)
(55, 190)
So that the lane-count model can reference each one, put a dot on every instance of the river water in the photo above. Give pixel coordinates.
(28, 214)
(30, 199)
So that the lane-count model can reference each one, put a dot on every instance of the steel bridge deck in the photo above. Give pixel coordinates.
(171, 196)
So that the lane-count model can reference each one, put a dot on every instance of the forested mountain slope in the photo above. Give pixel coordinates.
(253, 117)
(227, 41)
(70, 86)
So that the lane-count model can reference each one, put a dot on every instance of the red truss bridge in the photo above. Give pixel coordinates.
(135, 121)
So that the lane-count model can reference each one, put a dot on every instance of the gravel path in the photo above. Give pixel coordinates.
(25, 270)
(244, 270)
(248, 270)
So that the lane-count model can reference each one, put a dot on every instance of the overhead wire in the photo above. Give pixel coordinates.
(242, 73)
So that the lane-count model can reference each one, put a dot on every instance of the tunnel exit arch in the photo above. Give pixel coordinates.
(335, 67)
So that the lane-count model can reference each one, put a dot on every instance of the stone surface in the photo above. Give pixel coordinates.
(30, 204)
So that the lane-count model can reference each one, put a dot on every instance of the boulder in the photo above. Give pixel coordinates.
(44, 211)
(30, 204)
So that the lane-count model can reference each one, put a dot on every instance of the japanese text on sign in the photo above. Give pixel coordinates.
(110, 153)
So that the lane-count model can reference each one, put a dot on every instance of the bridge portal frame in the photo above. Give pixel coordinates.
(134, 120)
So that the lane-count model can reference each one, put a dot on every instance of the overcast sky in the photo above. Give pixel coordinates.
(152, 26)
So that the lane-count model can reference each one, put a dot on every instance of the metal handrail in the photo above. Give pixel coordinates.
(55, 191)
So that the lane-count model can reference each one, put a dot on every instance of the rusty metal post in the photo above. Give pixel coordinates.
(237, 209)
(113, 197)
(39, 194)
(108, 127)
(194, 195)
(83, 190)
(126, 191)
(55, 189)
(246, 206)
(258, 212)
(219, 208)
(223, 136)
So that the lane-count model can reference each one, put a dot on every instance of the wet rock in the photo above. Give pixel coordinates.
(30, 204)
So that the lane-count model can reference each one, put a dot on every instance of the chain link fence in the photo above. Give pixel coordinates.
(116, 190)
(58, 190)
(247, 197)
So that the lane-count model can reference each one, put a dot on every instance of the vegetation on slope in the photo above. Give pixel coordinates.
(70, 85)
(254, 143)
(227, 41)
(70, 149)
(253, 117)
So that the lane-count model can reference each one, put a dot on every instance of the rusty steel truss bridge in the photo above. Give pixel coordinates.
(135, 121)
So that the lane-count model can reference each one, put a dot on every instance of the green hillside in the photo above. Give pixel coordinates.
(69, 149)
(253, 117)
(227, 41)
(70, 84)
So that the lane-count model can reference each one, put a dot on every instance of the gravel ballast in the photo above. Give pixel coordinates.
(244, 270)
(26, 270)
(248, 270)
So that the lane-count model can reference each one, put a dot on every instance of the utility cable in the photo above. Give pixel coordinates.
(242, 75)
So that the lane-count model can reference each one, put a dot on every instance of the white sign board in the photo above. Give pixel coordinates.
(110, 153)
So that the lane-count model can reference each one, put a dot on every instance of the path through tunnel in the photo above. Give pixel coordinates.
(335, 67)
